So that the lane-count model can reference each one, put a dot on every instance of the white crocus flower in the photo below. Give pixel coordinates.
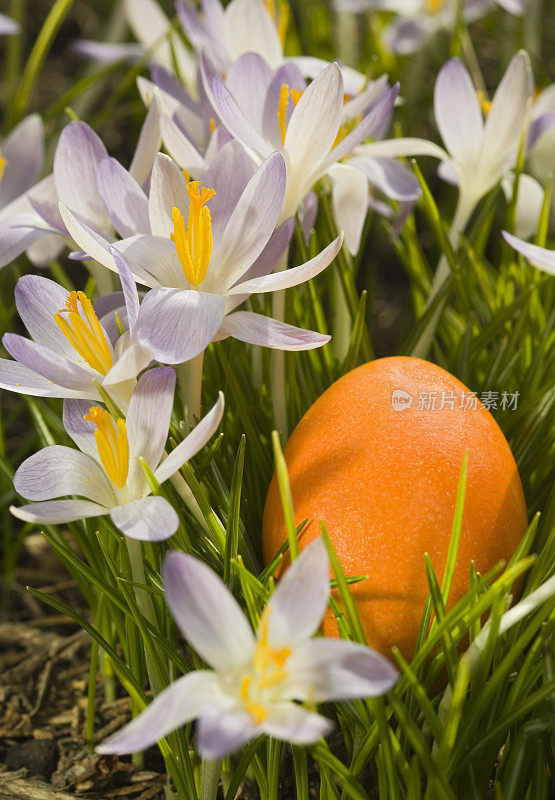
(479, 152)
(255, 679)
(105, 474)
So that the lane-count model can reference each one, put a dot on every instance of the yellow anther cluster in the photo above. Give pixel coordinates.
(112, 444)
(284, 95)
(485, 104)
(433, 6)
(3, 163)
(268, 670)
(194, 242)
(86, 335)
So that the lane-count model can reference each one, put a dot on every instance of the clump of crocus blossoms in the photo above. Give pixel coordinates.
(230, 251)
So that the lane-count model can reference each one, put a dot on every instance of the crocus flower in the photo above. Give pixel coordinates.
(7, 26)
(479, 154)
(417, 20)
(211, 247)
(106, 470)
(70, 348)
(255, 679)
(75, 180)
(310, 127)
(155, 38)
(540, 257)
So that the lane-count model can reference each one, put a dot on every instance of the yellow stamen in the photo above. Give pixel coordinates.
(280, 17)
(257, 711)
(485, 104)
(433, 6)
(86, 335)
(3, 163)
(212, 124)
(194, 242)
(284, 95)
(112, 444)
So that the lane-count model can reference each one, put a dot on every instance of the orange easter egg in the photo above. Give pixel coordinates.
(378, 458)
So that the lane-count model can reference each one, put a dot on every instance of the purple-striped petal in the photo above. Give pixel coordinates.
(257, 329)
(130, 294)
(23, 150)
(248, 80)
(17, 378)
(224, 640)
(125, 201)
(48, 363)
(57, 512)
(179, 324)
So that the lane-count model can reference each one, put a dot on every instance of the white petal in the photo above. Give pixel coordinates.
(267, 332)
(250, 29)
(168, 188)
(301, 597)
(148, 145)
(294, 276)
(292, 723)
(405, 146)
(56, 512)
(222, 731)
(56, 471)
(180, 148)
(194, 442)
(529, 203)
(538, 256)
(207, 613)
(332, 669)
(350, 202)
(181, 702)
(506, 119)
(150, 519)
(457, 112)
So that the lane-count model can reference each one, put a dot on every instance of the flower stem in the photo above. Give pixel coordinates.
(277, 362)
(190, 384)
(209, 779)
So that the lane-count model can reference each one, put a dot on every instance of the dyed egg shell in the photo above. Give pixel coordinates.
(382, 470)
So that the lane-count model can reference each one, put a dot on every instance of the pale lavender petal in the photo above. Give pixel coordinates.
(224, 639)
(150, 139)
(405, 35)
(538, 127)
(125, 201)
(181, 148)
(78, 154)
(194, 29)
(513, 6)
(153, 261)
(16, 378)
(13, 241)
(37, 299)
(308, 213)
(361, 102)
(293, 276)
(7, 26)
(81, 431)
(350, 201)
(540, 257)
(150, 27)
(248, 80)
(353, 81)
(257, 329)
(44, 200)
(392, 148)
(168, 188)
(322, 670)
(148, 420)
(228, 174)
(92, 243)
(56, 471)
(150, 519)
(292, 723)
(46, 249)
(48, 363)
(458, 114)
(177, 324)
(194, 442)
(301, 598)
(250, 225)
(272, 254)
(107, 52)
(182, 701)
(129, 287)
(251, 29)
(506, 119)
(132, 361)
(390, 177)
(23, 150)
(221, 731)
(379, 112)
(229, 112)
(56, 512)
